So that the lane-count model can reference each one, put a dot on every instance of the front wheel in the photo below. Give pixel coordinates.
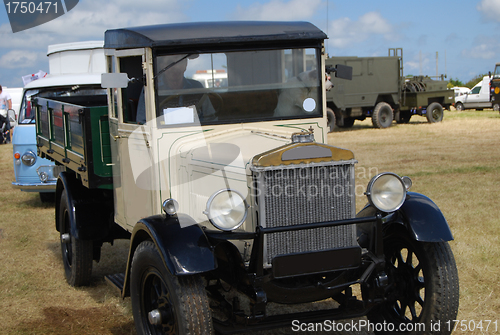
(423, 286)
(460, 106)
(163, 303)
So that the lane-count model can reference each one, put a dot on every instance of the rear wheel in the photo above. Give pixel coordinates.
(434, 112)
(77, 254)
(423, 285)
(163, 303)
(382, 115)
(496, 107)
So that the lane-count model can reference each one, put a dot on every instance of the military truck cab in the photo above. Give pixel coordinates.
(230, 195)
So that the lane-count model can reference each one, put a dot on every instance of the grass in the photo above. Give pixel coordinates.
(454, 162)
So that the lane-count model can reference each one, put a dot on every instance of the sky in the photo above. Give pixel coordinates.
(458, 38)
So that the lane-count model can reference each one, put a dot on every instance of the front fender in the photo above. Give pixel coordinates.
(421, 216)
(184, 250)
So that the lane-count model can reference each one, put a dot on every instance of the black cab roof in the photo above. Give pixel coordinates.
(206, 33)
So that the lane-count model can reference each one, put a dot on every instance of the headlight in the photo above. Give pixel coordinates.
(386, 192)
(29, 158)
(226, 209)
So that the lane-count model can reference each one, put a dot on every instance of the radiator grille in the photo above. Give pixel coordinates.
(306, 194)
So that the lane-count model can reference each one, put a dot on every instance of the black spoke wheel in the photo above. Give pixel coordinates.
(423, 286)
(163, 303)
(77, 254)
(434, 112)
(382, 115)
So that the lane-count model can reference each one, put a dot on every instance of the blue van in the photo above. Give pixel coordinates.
(33, 173)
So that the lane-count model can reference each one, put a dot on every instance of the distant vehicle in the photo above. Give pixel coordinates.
(460, 91)
(75, 71)
(477, 98)
(379, 90)
(211, 78)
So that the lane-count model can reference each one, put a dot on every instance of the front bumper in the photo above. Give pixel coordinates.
(35, 187)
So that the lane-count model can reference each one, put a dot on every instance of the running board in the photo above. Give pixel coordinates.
(117, 281)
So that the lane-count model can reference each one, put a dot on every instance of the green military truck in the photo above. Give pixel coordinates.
(379, 90)
(230, 195)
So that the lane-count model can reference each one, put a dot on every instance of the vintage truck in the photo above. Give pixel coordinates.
(231, 197)
(380, 90)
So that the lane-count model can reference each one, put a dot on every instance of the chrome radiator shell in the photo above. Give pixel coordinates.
(288, 195)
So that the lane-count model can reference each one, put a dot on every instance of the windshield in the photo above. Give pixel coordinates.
(237, 86)
(497, 72)
(78, 95)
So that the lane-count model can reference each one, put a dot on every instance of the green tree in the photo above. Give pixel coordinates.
(454, 83)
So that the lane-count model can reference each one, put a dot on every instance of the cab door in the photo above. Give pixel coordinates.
(131, 141)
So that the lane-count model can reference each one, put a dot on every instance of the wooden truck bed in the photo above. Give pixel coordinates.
(77, 137)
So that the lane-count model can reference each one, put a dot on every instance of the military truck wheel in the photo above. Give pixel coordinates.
(459, 106)
(423, 285)
(163, 303)
(382, 115)
(331, 119)
(434, 112)
(496, 107)
(77, 254)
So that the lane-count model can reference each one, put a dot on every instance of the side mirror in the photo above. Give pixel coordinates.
(341, 71)
(114, 80)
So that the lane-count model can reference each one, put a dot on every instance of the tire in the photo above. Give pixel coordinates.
(460, 106)
(77, 254)
(382, 115)
(496, 107)
(47, 197)
(434, 112)
(331, 119)
(181, 301)
(423, 285)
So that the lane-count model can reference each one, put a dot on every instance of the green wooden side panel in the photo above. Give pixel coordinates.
(101, 147)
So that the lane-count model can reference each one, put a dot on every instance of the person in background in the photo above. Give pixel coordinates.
(5, 105)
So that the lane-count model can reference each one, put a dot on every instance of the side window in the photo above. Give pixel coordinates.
(134, 92)
(26, 114)
(476, 90)
(112, 92)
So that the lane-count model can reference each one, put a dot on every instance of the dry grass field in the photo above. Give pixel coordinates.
(455, 163)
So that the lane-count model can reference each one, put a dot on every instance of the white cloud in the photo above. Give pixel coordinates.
(18, 59)
(345, 32)
(484, 47)
(490, 9)
(278, 10)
